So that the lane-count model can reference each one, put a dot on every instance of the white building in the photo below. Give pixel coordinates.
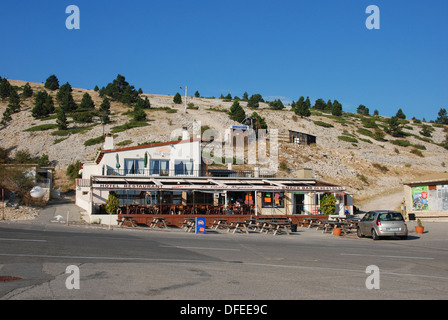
(170, 178)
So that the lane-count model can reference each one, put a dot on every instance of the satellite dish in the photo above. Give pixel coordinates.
(37, 192)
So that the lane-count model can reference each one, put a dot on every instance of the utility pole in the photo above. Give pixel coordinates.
(186, 88)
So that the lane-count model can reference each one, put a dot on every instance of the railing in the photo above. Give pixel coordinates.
(190, 173)
(82, 183)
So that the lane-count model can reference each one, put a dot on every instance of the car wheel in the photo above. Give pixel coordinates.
(358, 232)
(375, 235)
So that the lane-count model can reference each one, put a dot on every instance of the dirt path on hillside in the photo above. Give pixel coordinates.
(388, 201)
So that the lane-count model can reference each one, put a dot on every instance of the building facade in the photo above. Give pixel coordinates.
(171, 179)
(427, 196)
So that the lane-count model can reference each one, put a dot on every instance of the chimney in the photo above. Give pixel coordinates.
(108, 141)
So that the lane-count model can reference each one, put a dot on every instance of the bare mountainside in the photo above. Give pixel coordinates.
(346, 151)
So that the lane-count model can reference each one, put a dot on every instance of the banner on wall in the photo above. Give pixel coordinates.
(420, 198)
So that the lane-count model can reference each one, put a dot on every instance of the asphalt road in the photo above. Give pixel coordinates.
(123, 264)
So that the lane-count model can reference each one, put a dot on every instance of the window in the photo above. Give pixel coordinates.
(390, 216)
(160, 167)
(134, 166)
(183, 167)
(273, 200)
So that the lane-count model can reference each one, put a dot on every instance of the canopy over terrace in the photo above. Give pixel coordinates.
(212, 195)
(218, 184)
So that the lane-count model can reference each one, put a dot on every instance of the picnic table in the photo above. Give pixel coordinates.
(238, 226)
(189, 224)
(219, 223)
(127, 219)
(312, 222)
(278, 225)
(329, 225)
(158, 222)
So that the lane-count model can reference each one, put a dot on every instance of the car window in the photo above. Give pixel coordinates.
(368, 216)
(390, 216)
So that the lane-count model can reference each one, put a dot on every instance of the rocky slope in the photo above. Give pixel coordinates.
(366, 167)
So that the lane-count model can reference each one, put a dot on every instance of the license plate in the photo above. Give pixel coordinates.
(393, 229)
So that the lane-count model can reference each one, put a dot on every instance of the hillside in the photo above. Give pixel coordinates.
(346, 152)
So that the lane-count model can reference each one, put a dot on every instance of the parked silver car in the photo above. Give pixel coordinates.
(383, 223)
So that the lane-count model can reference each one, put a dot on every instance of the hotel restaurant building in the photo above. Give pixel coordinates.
(172, 179)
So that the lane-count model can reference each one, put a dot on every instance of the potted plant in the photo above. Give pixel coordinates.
(419, 228)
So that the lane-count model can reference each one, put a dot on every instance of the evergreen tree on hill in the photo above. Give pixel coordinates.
(120, 90)
(27, 91)
(5, 88)
(87, 102)
(254, 100)
(400, 114)
(14, 101)
(336, 108)
(237, 112)
(301, 108)
(177, 99)
(61, 120)
(43, 105)
(52, 83)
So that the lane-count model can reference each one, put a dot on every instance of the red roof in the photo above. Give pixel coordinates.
(100, 156)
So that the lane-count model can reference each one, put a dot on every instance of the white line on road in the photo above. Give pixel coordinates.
(298, 267)
(383, 256)
(27, 240)
(200, 248)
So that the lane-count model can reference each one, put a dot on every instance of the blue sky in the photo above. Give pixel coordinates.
(280, 49)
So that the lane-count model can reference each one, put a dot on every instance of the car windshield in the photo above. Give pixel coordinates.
(390, 216)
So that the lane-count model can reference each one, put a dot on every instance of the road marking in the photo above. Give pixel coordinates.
(200, 248)
(383, 256)
(298, 267)
(27, 240)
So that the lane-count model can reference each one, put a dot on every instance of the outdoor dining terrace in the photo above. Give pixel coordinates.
(240, 223)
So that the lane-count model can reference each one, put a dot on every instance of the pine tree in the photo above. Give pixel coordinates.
(52, 83)
(68, 104)
(139, 114)
(237, 112)
(177, 99)
(336, 108)
(400, 114)
(43, 105)
(5, 88)
(196, 94)
(49, 105)
(27, 91)
(320, 105)
(254, 100)
(442, 116)
(105, 110)
(64, 90)
(301, 108)
(14, 101)
(61, 120)
(87, 102)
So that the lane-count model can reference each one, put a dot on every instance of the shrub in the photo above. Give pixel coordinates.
(348, 139)
(94, 141)
(401, 143)
(417, 152)
(73, 170)
(328, 204)
(323, 124)
(42, 127)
